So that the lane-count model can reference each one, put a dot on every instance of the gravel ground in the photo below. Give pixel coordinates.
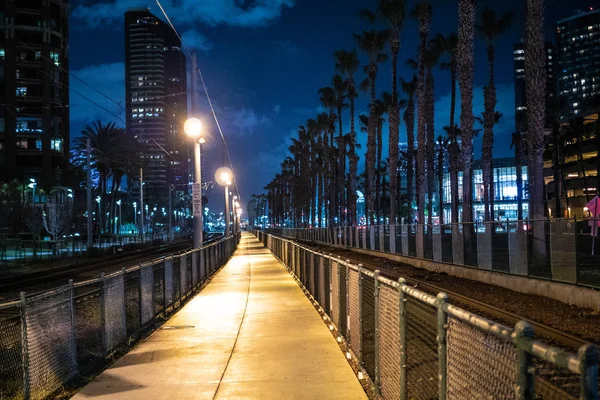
(581, 322)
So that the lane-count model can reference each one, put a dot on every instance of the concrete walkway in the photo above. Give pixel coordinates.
(250, 334)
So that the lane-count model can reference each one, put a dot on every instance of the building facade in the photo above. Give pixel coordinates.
(505, 191)
(156, 96)
(578, 44)
(34, 91)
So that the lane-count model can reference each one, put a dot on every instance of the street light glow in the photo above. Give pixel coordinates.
(193, 127)
(223, 176)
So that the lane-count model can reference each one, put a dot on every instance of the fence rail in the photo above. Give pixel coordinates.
(49, 337)
(17, 249)
(413, 345)
(570, 252)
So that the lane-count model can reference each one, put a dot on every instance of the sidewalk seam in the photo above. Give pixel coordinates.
(241, 321)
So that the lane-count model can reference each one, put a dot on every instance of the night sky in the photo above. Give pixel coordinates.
(263, 62)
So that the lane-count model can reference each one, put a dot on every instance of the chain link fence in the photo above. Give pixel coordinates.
(563, 250)
(412, 345)
(48, 338)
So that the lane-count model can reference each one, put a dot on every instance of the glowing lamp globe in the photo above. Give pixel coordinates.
(223, 176)
(193, 127)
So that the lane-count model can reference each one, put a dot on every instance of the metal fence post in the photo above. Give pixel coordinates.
(588, 362)
(360, 315)
(348, 300)
(442, 298)
(24, 347)
(525, 374)
(376, 284)
(402, 330)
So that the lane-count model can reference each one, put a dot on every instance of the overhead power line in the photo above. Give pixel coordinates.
(207, 97)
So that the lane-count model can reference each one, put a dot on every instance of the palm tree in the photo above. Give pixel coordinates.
(423, 13)
(491, 27)
(347, 63)
(372, 43)
(465, 61)
(535, 78)
(393, 13)
(112, 148)
(409, 88)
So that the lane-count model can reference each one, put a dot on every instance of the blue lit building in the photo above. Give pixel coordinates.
(505, 193)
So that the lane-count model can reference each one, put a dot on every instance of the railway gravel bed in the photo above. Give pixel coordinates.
(579, 322)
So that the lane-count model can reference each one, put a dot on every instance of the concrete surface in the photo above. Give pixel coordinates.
(255, 335)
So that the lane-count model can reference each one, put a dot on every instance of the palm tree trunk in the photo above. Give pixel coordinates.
(378, 183)
(409, 117)
(370, 156)
(339, 168)
(353, 161)
(394, 127)
(421, 123)
(454, 167)
(465, 59)
(535, 78)
(452, 91)
(440, 173)
(488, 137)
(557, 170)
(430, 112)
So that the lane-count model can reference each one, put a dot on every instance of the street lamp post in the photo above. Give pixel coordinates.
(119, 223)
(236, 215)
(193, 128)
(135, 215)
(223, 176)
(142, 204)
(99, 217)
(32, 185)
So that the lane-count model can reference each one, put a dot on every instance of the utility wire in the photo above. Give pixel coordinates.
(74, 76)
(207, 97)
(65, 86)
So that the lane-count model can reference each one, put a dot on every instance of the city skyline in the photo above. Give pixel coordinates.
(249, 66)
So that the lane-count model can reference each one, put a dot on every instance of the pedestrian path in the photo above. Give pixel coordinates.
(251, 333)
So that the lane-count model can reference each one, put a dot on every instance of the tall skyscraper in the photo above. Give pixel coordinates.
(34, 91)
(156, 96)
(578, 43)
(520, 86)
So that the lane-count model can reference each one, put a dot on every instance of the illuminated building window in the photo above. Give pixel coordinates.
(55, 57)
(56, 145)
(21, 91)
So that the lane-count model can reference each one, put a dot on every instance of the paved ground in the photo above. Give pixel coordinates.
(251, 334)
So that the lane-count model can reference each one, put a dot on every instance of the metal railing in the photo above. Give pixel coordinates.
(569, 254)
(47, 338)
(16, 249)
(413, 345)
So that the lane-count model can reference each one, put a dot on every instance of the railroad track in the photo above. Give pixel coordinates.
(552, 383)
(22, 282)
